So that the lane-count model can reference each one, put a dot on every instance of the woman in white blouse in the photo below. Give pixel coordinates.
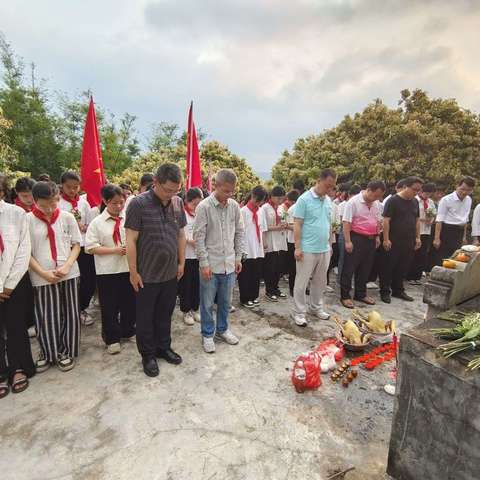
(105, 239)
(189, 285)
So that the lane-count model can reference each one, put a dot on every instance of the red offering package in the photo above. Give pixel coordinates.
(331, 345)
(306, 372)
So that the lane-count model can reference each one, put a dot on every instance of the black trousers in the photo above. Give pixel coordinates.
(394, 267)
(271, 272)
(291, 267)
(117, 304)
(420, 259)
(155, 305)
(333, 259)
(86, 264)
(451, 238)
(189, 286)
(359, 264)
(15, 352)
(249, 279)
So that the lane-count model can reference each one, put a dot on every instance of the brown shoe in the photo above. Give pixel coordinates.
(367, 300)
(347, 303)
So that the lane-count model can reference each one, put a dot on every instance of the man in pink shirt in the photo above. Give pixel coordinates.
(361, 221)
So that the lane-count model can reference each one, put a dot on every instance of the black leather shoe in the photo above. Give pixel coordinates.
(404, 296)
(170, 356)
(385, 298)
(150, 367)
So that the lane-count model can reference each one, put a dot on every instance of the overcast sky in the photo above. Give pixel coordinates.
(261, 72)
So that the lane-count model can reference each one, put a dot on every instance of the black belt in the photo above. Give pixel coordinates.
(456, 227)
(369, 237)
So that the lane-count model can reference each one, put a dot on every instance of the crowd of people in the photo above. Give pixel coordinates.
(140, 252)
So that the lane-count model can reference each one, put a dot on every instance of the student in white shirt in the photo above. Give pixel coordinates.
(189, 284)
(54, 272)
(16, 363)
(249, 277)
(452, 219)
(78, 206)
(476, 225)
(274, 241)
(105, 240)
(286, 211)
(427, 216)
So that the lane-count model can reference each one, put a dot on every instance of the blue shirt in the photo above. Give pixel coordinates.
(316, 213)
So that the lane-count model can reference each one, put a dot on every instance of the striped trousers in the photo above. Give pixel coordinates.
(57, 317)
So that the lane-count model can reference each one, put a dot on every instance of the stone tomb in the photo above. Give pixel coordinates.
(436, 421)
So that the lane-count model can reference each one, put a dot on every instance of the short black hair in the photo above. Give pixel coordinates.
(429, 187)
(354, 190)
(146, 179)
(192, 194)
(66, 176)
(168, 172)
(259, 193)
(409, 181)
(277, 191)
(44, 177)
(292, 196)
(468, 181)
(400, 183)
(376, 185)
(4, 186)
(125, 186)
(44, 190)
(299, 185)
(327, 172)
(110, 190)
(344, 187)
(24, 184)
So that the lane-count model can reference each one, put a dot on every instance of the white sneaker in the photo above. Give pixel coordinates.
(86, 319)
(227, 336)
(390, 389)
(188, 318)
(208, 344)
(32, 332)
(329, 289)
(299, 320)
(114, 348)
(322, 315)
(232, 309)
(372, 286)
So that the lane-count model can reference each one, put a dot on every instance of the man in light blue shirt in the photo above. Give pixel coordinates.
(312, 229)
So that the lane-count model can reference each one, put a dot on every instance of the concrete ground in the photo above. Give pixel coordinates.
(231, 415)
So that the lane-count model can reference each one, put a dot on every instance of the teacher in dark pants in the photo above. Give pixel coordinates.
(156, 258)
(361, 219)
(401, 237)
(452, 219)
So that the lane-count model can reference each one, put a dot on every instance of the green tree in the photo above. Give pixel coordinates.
(213, 155)
(32, 134)
(433, 138)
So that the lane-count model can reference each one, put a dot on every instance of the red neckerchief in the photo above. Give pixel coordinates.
(20, 204)
(277, 216)
(425, 203)
(117, 238)
(188, 210)
(50, 232)
(2, 245)
(254, 209)
(72, 202)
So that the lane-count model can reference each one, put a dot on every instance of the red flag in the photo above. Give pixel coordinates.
(194, 174)
(91, 167)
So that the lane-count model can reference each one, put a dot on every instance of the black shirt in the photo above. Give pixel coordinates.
(403, 216)
(158, 227)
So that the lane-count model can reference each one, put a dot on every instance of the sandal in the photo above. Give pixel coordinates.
(347, 303)
(21, 384)
(4, 388)
(367, 300)
(41, 365)
(65, 363)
